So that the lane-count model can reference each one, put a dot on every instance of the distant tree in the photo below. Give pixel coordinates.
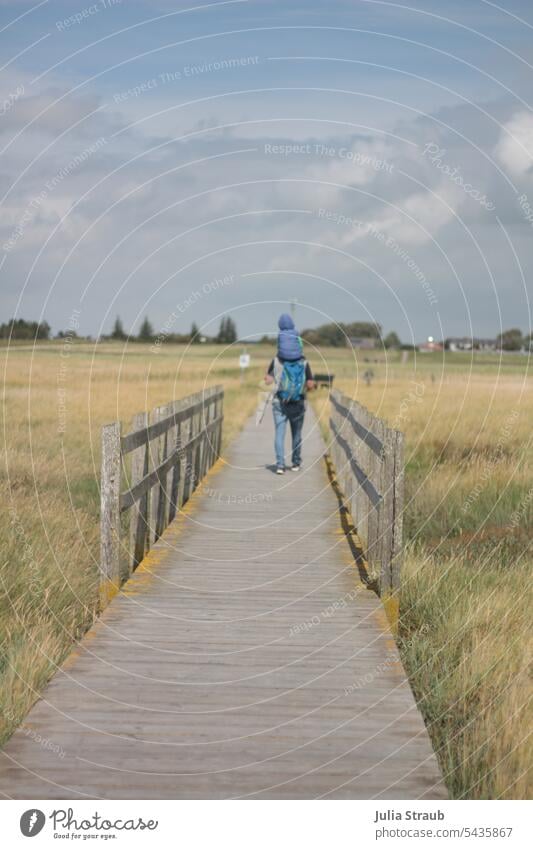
(510, 340)
(43, 330)
(177, 339)
(21, 329)
(227, 333)
(337, 334)
(392, 340)
(231, 331)
(364, 329)
(195, 334)
(118, 330)
(146, 332)
(67, 334)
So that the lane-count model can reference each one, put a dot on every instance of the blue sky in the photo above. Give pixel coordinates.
(371, 159)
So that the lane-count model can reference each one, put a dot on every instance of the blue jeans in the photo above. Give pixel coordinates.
(295, 416)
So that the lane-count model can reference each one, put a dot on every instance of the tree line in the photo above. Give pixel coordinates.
(227, 333)
(336, 335)
(341, 334)
(18, 328)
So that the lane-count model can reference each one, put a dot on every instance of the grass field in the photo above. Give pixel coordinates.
(466, 598)
(55, 400)
(467, 577)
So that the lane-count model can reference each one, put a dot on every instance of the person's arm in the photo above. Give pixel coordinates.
(269, 376)
(309, 379)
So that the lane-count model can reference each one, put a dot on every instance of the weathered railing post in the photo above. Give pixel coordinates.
(220, 415)
(162, 498)
(197, 447)
(397, 534)
(139, 511)
(174, 475)
(189, 459)
(387, 493)
(368, 459)
(154, 451)
(375, 517)
(110, 513)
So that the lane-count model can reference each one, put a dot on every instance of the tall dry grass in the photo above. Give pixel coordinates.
(466, 597)
(469, 513)
(55, 399)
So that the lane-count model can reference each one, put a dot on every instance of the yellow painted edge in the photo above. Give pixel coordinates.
(143, 574)
(391, 604)
(107, 591)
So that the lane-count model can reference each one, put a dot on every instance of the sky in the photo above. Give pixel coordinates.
(370, 159)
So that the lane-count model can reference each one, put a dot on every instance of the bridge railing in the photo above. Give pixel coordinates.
(151, 472)
(369, 461)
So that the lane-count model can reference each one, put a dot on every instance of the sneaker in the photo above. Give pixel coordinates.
(295, 468)
(280, 471)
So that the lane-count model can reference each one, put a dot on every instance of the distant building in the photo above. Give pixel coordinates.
(485, 344)
(363, 343)
(469, 343)
(459, 343)
(427, 347)
(430, 345)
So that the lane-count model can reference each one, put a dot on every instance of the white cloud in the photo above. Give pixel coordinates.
(384, 197)
(515, 147)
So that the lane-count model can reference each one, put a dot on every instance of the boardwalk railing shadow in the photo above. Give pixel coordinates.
(368, 458)
(350, 530)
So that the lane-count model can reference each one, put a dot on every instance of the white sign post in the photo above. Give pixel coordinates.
(244, 362)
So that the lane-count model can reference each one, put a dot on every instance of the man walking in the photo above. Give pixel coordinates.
(292, 377)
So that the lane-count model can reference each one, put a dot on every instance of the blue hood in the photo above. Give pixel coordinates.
(285, 322)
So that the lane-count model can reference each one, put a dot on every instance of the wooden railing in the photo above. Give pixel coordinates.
(162, 461)
(369, 464)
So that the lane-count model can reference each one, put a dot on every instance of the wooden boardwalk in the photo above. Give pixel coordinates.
(243, 659)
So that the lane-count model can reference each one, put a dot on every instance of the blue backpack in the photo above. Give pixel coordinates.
(291, 386)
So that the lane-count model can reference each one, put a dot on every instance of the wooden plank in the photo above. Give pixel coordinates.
(135, 439)
(216, 437)
(139, 510)
(376, 516)
(397, 541)
(174, 474)
(345, 408)
(110, 513)
(377, 499)
(204, 444)
(188, 456)
(181, 440)
(388, 513)
(152, 478)
(363, 451)
(210, 417)
(166, 465)
(213, 436)
(155, 450)
(195, 431)
(347, 461)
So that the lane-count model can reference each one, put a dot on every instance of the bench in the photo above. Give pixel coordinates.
(324, 380)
